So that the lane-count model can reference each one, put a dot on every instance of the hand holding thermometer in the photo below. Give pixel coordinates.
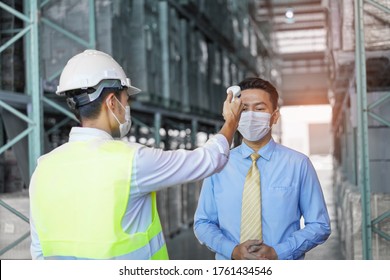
(236, 91)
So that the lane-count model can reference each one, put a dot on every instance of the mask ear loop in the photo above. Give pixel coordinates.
(277, 110)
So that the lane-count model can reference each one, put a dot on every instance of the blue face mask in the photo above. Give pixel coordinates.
(124, 128)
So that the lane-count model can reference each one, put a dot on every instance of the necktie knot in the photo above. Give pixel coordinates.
(255, 157)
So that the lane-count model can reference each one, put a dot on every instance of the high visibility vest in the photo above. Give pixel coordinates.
(79, 194)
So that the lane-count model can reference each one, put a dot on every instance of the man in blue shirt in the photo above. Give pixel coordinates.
(289, 190)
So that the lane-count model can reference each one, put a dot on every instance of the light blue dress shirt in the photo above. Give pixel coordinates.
(289, 188)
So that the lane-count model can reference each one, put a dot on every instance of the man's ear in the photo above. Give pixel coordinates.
(110, 100)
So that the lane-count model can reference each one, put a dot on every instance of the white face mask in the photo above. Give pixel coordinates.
(254, 125)
(124, 128)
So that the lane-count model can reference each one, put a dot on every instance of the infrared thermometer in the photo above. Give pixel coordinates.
(236, 91)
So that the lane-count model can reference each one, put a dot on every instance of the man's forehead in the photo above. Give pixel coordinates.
(255, 96)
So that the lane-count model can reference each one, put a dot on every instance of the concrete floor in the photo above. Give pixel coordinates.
(185, 246)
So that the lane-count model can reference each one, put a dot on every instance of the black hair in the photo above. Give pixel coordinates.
(91, 110)
(253, 83)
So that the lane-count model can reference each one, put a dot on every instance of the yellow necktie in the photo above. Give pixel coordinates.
(251, 204)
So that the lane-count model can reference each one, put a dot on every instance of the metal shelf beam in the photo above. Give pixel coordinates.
(364, 110)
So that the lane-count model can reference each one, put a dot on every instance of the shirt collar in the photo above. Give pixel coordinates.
(265, 152)
(88, 133)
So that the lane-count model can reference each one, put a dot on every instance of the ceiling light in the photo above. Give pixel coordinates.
(289, 13)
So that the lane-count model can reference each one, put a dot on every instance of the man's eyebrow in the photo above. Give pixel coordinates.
(256, 103)
(260, 103)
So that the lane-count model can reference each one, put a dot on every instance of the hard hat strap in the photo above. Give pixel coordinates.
(84, 97)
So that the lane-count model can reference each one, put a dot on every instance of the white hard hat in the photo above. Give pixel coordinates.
(88, 69)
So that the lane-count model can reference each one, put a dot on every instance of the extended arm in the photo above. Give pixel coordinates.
(156, 169)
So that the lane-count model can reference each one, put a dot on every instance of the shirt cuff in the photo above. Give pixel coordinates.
(283, 251)
(222, 143)
(227, 248)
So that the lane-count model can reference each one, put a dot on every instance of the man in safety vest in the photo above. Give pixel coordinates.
(94, 197)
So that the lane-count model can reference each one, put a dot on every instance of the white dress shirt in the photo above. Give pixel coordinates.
(153, 170)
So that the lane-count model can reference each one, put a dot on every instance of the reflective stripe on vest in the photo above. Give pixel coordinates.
(78, 198)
